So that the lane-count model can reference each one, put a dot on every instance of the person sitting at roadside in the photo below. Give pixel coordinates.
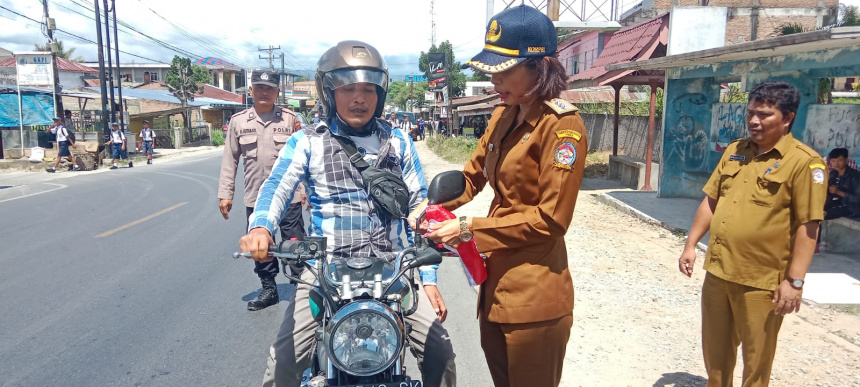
(843, 189)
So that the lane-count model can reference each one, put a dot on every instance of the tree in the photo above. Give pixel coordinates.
(458, 79)
(850, 15)
(200, 74)
(181, 82)
(478, 76)
(61, 51)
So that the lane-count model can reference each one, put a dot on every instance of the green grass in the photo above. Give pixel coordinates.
(218, 137)
(456, 150)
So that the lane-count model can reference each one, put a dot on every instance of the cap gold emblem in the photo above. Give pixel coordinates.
(494, 32)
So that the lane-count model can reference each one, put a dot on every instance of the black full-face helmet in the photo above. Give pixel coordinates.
(347, 63)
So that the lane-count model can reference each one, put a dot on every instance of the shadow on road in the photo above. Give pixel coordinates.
(680, 379)
(285, 290)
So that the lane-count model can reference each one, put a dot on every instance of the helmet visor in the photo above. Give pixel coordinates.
(343, 77)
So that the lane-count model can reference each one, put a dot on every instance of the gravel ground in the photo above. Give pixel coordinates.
(637, 319)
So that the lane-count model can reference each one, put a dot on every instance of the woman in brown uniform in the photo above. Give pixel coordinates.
(532, 156)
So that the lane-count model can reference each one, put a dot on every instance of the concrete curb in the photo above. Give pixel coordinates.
(610, 201)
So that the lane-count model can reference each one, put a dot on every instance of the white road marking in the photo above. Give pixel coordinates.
(59, 186)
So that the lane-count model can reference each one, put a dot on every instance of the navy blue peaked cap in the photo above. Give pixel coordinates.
(514, 35)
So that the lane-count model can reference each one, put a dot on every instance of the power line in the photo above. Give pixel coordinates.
(71, 34)
(127, 27)
(202, 41)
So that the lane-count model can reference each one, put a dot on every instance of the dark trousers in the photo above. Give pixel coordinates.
(292, 225)
(838, 211)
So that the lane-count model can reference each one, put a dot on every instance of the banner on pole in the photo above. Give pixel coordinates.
(35, 69)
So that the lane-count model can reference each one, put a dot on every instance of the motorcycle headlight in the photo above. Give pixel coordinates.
(364, 338)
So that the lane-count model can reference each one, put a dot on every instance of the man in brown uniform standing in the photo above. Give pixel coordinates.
(763, 207)
(258, 134)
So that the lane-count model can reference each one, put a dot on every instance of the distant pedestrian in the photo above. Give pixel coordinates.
(117, 144)
(148, 137)
(63, 143)
(68, 123)
(392, 120)
(764, 203)
(407, 127)
(421, 126)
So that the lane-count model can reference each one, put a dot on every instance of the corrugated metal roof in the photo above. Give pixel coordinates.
(62, 65)
(602, 94)
(165, 96)
(629, 45)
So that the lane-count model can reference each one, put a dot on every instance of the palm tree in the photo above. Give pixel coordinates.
(61, 51)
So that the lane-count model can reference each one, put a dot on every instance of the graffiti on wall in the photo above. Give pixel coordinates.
(728, 123)
(686, 139)
(834, 126)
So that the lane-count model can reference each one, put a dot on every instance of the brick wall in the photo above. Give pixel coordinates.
(771, 3)
(738, 27)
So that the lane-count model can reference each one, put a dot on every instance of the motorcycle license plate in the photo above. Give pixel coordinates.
(411, 383)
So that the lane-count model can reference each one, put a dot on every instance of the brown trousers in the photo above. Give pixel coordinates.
(530, 354)
(732, 315)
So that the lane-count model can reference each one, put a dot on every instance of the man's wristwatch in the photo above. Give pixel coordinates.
(796, 283)
(465, 234)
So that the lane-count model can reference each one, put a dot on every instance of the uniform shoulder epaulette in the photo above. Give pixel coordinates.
(285, 110)
(240, 113)
(561, 107)
(808, 150)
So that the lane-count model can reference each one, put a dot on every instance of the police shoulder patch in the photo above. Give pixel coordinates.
(565, 156)
(560, 106)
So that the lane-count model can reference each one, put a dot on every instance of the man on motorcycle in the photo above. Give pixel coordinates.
(352, 82)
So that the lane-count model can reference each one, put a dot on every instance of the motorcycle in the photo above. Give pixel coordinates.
(361, 304)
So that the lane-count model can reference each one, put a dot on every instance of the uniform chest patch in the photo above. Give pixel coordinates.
(565, 156)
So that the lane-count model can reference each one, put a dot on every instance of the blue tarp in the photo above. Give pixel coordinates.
(38, 109)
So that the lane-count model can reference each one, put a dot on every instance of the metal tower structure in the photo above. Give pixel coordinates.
(584, 14)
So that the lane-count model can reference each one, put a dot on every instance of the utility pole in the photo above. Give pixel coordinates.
(58, 96)
(411, 101)
(116, 44)
(432, 23)
(283, 82)
(552, 8)
(102, 84)
(270, 57)
(109, 66)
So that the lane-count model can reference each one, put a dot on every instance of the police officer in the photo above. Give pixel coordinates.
(257, 135)
(764, 203)
(532, 157)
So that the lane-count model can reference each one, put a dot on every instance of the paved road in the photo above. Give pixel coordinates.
(124, 278)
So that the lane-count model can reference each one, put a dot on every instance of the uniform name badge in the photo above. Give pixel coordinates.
(737, 158)
(565, 156)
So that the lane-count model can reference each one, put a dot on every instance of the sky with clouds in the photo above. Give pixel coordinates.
(234, 30)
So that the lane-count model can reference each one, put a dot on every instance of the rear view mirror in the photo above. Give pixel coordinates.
(446, 186)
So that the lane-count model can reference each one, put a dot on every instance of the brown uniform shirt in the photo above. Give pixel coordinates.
(535, 172)
(762, 200)
(257, 138)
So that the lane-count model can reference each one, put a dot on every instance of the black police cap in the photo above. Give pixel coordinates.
(264, 77)
(514, 35)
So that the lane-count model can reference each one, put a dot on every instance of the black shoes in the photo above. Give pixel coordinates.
(268, 297)
(130, 164)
